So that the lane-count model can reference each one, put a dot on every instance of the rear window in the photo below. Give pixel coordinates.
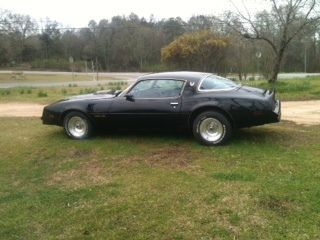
(213, 82)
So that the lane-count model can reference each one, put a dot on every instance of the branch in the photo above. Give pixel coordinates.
(248, 36)
(301, 28)
(305, 23)
(278, 11)
(258, 37)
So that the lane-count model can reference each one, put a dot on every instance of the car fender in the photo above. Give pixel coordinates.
(207, 106)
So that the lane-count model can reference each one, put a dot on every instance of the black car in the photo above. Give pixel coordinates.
(208, 105)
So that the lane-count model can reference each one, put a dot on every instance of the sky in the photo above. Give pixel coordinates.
(77, 13)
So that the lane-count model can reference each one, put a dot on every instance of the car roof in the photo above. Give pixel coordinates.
(189, 76)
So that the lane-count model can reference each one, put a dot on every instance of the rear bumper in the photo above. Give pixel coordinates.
(275, 115)
(277, 110)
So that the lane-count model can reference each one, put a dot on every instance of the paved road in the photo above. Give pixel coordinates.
(296, 75)
(301, 112)
(121, 76)
(112, 74)
(90, 83)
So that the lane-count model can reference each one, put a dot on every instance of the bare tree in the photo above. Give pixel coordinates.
(278, 27)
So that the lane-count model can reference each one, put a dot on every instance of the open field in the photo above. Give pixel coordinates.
(263, 185)
(47, 95)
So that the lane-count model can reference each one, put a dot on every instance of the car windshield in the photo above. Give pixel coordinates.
(124, 92)
(214, 82)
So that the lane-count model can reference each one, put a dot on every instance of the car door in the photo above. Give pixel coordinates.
(152, 103)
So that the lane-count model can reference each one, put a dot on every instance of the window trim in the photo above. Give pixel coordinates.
(157, 79)
(212, 90)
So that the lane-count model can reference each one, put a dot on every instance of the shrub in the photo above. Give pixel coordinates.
(42, 94)
(87, 90)
(5, 92)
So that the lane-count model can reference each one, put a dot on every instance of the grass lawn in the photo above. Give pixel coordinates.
(47, 95)
(263, 185)
(292, 89)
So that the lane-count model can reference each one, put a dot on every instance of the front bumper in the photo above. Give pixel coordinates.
(50, 117)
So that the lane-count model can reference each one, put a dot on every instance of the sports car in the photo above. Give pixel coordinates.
(209, 106)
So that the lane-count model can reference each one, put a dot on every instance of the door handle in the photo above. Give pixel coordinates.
(174, 103)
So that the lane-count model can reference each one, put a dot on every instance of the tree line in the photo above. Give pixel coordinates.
(236, 42)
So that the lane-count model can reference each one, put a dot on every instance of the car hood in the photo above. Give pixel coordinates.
(91, 96)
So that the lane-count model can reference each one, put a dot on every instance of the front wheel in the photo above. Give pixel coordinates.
(212, 128)
(77, 126)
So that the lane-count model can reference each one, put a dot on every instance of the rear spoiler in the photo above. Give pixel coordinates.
(270, 93)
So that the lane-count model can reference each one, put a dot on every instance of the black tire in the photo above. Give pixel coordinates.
(77, 125)
(220, 129)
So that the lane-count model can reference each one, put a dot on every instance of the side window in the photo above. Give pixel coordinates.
(157, 88)
(142, 89)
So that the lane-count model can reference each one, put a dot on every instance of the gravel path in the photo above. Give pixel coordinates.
(300, 112)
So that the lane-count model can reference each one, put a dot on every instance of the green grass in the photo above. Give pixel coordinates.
(47, 95)
(292, 89)
(263, 185)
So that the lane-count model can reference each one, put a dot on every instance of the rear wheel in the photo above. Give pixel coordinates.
(212, 128)
(77, 126)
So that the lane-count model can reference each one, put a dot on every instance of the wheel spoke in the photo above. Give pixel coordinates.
(77, 126)
(211, 129)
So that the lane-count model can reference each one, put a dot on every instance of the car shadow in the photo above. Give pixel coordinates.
(249, 135)
(144, 133)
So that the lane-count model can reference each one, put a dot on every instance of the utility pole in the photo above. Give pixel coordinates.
(305, 57)
(92, 67)
(97, 68)
(258, 56)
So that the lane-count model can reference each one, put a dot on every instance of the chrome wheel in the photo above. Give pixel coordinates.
(211, 129)
(77, 126)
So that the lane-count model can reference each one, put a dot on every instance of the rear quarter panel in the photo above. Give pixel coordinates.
(241, 108)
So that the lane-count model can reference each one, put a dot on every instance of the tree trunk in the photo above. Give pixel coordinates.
(276, 66)
(275, 70)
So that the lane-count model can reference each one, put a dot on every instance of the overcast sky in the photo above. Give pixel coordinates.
(77, 13)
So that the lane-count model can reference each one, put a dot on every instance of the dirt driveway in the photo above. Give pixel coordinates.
(300, 112)
(20, 110)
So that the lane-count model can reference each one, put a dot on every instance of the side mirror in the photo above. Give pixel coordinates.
(129, 97)
(117, 92)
